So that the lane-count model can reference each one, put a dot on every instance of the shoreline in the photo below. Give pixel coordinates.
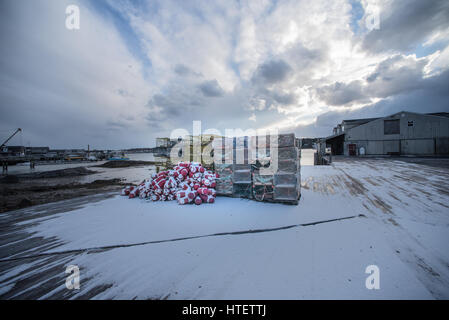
(21, 195)
(18, 191)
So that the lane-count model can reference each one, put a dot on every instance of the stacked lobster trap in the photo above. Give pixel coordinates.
(263, 168)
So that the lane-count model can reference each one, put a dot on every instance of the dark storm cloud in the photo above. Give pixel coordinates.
(154, 120)
(166, 109)
(163, 101)
(123, 93)
(340, 94)
(305, 61)
(183, 71)
(284, 98)
(372, 77)
(160, 108)
(116, 124)
(273, 71)
(406, 24)
(211, 88)
(160, 104)
(395, 75)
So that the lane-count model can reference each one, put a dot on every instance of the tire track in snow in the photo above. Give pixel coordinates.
(232, 233)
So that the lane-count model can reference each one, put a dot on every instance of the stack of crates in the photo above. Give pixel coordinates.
(241, 168)
(282, 183)
(287, 179)
(223, 163)
(263, 184)
(242, 184)
(224, 184)
(231, 159)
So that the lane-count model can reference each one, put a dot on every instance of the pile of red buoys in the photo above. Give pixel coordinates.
(188, 182)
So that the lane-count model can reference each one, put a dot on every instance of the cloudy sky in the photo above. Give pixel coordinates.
(136, 70)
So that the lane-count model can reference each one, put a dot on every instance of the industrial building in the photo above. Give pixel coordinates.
(37, 150)
(402, 133)
(12, 151)
(163, 142)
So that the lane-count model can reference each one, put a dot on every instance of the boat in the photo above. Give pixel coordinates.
(73, 157)
(118, 157)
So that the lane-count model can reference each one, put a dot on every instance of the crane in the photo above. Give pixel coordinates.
(6, 141)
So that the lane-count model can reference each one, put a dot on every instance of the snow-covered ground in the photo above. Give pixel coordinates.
(383, 212)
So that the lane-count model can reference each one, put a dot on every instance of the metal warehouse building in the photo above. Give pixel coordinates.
(403, 133)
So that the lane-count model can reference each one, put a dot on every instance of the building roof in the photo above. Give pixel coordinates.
(351, 121)
(366, 120)
(439, 114)
(335, 136)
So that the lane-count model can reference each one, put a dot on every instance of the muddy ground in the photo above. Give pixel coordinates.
(25, 190)
(128, 163)
(19, 191)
